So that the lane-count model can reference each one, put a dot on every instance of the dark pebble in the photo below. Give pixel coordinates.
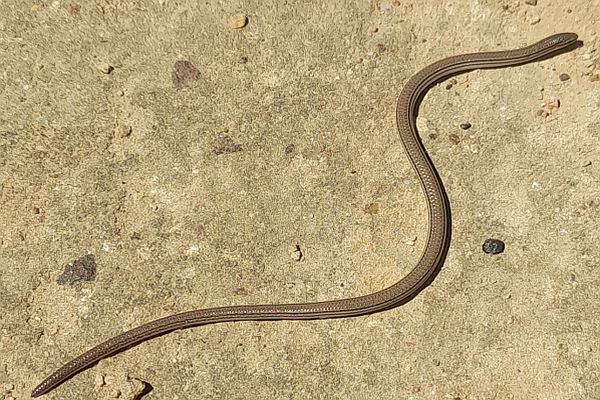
(243, 59)
(298, 253)
(493, 246)
(564, 77)
(451, 83)
(226, 145)
(454, 139)
(465, 125)
(183, 73)
(531, 2)
(82, 269)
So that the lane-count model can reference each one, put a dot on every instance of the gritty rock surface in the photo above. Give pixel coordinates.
(180, 215)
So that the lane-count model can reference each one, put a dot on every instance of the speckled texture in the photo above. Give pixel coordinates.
(123, 165)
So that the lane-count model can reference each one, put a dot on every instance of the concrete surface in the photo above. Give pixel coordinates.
(190, 158)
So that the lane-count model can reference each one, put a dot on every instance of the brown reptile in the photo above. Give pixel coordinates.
(438, 233)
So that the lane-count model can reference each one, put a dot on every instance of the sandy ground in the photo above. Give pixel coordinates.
(188, 159)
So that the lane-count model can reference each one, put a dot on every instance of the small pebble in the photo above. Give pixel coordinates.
(380, 48)
(35, 210)
(82, 269)
(8, 387)
(99, 380)
(243, 59)
(542, 113)
(183, 73)
(226, 145)
(289, 148)
(372, 208)
(125, 130)
(454, 139)
(241, 291)
(411, 242)
(531, 2)
(595, 78)
(105, 68)
(372, 29)
(465, 125)
(586, 163)
(564, 77)
(493, 246)
(238, 21)
(451, 83)
(136, 388)
(534, 20)
(551, 102)
(297, 254)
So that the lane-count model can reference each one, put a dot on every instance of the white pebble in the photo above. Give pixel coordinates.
(99, 380)
(238, 21)
(105, 68)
